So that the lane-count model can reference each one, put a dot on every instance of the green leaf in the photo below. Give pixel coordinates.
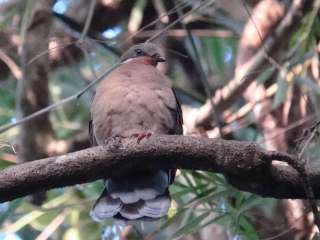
(308, 82)
(185, 191)
(10, 210)
(247, 229)
(33, 215)
(191, 226)
(282, 90)
(72, 233)
(4, 164)
(265, 75)
(248, 203)
(166, 222)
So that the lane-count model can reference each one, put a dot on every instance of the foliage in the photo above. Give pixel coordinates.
(199, 198)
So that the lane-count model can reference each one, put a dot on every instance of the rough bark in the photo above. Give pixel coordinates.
(244, 164)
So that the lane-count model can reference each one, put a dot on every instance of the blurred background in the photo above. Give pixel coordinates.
(259, 68)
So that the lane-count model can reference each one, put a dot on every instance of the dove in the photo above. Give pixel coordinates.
(135, 101)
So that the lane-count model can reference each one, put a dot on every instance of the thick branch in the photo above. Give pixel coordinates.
(245, 164)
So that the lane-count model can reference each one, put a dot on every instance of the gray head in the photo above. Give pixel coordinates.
(144, 50)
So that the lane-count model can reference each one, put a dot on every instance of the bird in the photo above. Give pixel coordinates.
(135, 101)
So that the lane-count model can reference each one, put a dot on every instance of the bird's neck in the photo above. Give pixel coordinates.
(142, 60)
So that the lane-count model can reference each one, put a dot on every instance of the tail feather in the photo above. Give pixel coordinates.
(145, 186)
(132, 211)
(157, 207)
(146, 194)
(126, 197)
(105, 207)
(136, 197)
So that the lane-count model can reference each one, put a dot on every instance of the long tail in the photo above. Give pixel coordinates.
(143, 196)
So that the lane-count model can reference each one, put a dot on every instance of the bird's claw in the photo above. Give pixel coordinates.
(114, 143)
(140, 136)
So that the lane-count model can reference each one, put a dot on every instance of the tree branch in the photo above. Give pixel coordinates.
(244, 164)
(244, 76)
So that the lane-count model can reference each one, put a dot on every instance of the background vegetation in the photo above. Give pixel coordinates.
(50, 49)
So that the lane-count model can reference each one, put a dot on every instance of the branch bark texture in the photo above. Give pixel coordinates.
(247, 166)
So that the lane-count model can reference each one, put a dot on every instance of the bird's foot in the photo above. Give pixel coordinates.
(114, 143)
(140, 136)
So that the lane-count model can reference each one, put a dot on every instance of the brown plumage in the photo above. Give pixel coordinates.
(135, 100)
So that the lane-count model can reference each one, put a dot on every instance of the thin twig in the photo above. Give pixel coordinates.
(203, 77)
(311, 136)
(302, 167)
(181, 33)
(14, 68)
(162, 11)
(201, 5)
(291, 228)
(80, 93)
(52, 226)
(289, 127)
(76, 96)
(267, 56)
(89, 62)
(170, 12)
(49, 50)
(225, 96)
(88, 21)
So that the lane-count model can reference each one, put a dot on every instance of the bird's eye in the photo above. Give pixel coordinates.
(139, 52)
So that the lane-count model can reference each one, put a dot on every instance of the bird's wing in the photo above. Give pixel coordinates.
(172, 103)
(92, 139)
(178, 114)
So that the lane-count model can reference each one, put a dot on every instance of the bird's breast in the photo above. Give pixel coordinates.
(132, 104)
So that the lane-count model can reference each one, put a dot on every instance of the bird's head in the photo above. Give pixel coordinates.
(146, 52)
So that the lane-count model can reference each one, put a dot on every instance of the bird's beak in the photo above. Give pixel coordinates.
(158, 58)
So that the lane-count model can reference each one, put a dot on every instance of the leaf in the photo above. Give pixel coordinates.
(214, 219)
(5, 164)
(44, 220)
(209, 197)
(308, 82)
(188, 190)
(247, 229)
(169, 221)
(188, 178)
(33, 215)
(248, 203)
(282, 90)
(265, 75)
(72, 233)
(11, 208)
(191, 226)
(91, 190)
(310, 29)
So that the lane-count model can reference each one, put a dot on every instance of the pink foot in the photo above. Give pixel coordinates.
(141, 136)
(114, 143)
